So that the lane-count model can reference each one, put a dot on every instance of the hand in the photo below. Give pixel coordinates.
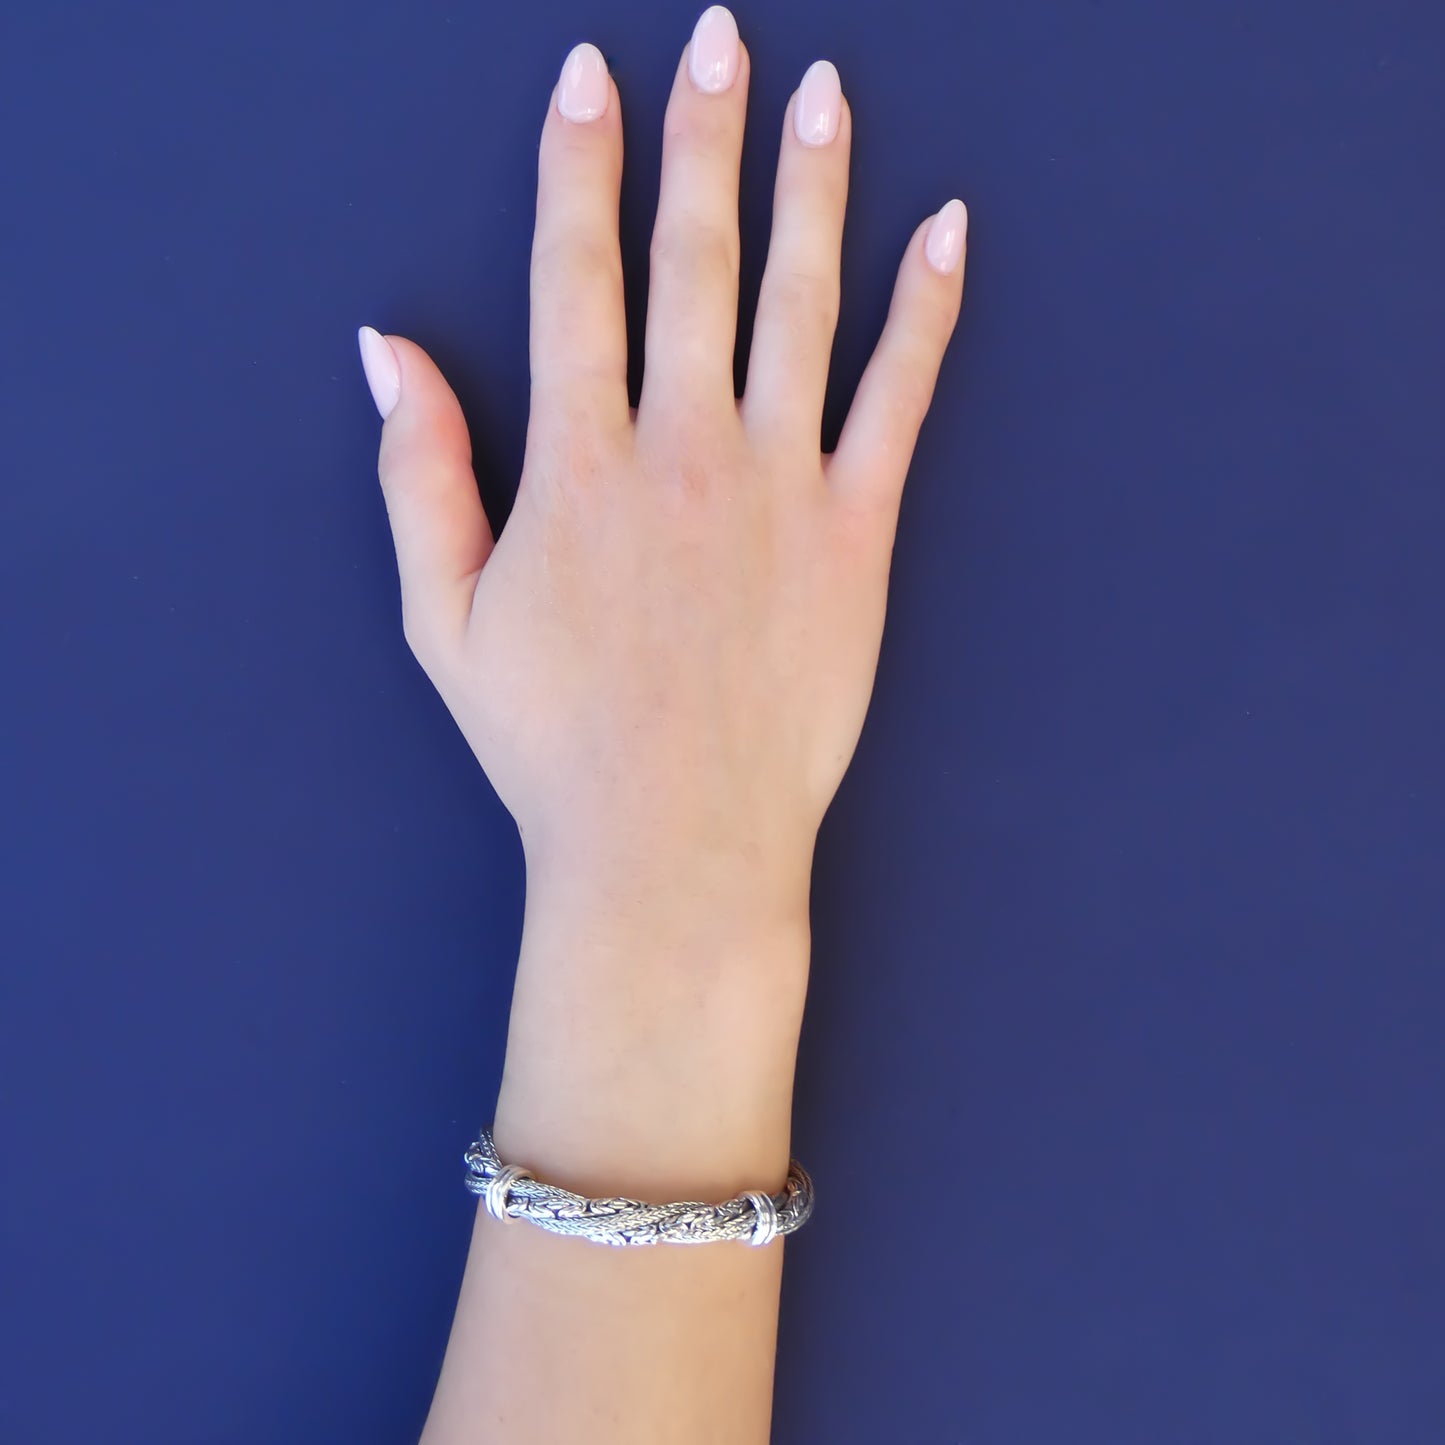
(664, 662)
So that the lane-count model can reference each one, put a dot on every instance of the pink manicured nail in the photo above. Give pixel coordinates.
(820, 104)
(383, 370)
(943, 245)
(712, 58)
(582, 90)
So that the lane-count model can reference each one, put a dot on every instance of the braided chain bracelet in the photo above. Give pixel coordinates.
(510, 1192)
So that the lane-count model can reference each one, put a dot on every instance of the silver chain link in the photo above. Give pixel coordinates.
(510, 1192)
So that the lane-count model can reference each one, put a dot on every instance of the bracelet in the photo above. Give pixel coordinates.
(511, 1192)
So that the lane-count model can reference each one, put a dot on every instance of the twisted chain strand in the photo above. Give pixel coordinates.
(511, 1192)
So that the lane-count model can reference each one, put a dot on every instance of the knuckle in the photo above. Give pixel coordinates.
(577, 461)
(911, 373)
(575, 256)
(397, 470)
(693, 253)
(866, 520)
(699, 129)
(575, 145)
(686, 453)
(570, 458)
(911, 396)
(941, 319)
(803, 300)
(686, 481)
(557, 360)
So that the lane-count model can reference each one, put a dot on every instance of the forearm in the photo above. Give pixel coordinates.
(650, 1054)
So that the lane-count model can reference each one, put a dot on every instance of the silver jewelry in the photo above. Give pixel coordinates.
(510, 1192)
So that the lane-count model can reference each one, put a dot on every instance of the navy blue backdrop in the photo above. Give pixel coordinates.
(1130, 924)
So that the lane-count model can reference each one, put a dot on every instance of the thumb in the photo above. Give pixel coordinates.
(437, 523)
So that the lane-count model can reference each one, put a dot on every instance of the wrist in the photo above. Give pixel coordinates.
(654, 1033)
(685, 877)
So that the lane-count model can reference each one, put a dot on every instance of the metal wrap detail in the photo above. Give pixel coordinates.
(755, 1218)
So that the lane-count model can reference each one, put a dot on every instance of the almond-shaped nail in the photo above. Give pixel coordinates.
(712, 58)
(582, 91)
(820, 104)
(383, 370)
(943, 245)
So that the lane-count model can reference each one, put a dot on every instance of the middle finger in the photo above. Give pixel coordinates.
(692, 304)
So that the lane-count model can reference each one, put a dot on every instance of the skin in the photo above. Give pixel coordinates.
(663, 665)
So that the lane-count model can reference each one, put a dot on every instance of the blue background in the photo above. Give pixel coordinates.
(1130, 922)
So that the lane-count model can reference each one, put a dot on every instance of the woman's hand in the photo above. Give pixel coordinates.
(664, 662)
(663, 665)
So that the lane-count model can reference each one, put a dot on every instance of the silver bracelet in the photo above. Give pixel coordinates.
(510, 1192)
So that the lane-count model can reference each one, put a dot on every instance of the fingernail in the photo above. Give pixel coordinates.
(582, 90)
(820, 104)
(943, 245)
(383, 370)
(712, 58)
